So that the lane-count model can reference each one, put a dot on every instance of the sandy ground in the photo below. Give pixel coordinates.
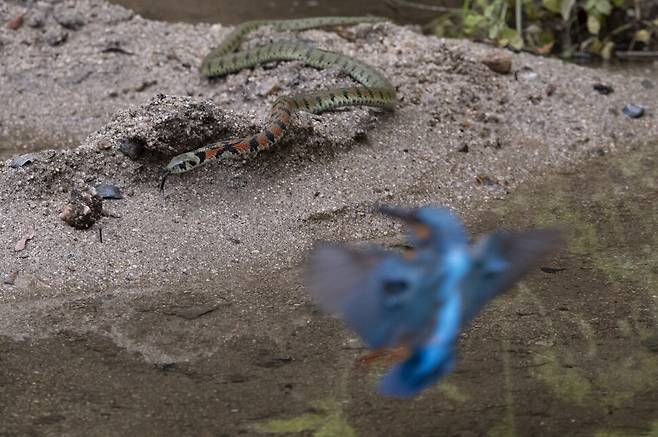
(190, 313)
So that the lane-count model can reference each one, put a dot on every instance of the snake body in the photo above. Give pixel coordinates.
(376, 90)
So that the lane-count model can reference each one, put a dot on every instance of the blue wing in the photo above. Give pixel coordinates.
(382, 297)
(499, 260)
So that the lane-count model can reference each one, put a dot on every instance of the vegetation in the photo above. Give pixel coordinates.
(566, 27)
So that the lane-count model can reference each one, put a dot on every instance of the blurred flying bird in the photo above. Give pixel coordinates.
(422, 301)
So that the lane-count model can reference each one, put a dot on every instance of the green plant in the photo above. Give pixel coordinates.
(567, 27)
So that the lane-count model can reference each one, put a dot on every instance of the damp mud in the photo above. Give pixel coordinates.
(573, 350)
(185, 313)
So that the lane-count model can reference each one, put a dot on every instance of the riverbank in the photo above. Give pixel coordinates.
(213, 264)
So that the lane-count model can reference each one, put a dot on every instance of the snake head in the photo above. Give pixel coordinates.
(179, 164)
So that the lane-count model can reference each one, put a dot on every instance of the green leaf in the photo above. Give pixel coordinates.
(618, 3)
(547, 36)
(509, 36)
(482, 3)
(642, 36)
(593, 24)
(494, 31)
(603, 7)
(472, 22)
(490, 10)
(552, 5)
(563, 7)
(531, 10)
(566, 6)
(592, 45)
(606, 51)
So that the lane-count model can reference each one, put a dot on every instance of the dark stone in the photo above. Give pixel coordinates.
(23, 160)
(633, 111)
(603, 89)
(108, 191)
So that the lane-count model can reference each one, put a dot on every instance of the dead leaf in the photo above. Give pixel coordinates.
(16, 22)
(545, 49)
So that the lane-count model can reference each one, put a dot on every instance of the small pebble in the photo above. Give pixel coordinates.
(36, 18)
(108, 191)
(69, 19)
(499, 62)
(55, 37)
(526, 74)
(22, 243)
(647, 84)
(633, 111)
(10, 278)
(490, 184)
(598, 151)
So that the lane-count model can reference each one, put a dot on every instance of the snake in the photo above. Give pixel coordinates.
(374, 90)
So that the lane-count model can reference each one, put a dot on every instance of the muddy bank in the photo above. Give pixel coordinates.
(186, 288)
(573, 351)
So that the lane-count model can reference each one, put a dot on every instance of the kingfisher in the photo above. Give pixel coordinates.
(421, 301)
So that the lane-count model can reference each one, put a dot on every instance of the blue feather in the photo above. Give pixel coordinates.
(424, 301)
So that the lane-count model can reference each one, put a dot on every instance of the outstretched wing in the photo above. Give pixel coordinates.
(333, 271)
(381, 296)
(501, 259)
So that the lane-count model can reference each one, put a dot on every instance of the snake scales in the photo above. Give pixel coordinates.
(376, 90)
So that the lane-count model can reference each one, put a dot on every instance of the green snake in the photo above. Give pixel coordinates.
(376, 90)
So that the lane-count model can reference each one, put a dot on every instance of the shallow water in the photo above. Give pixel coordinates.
(23, 143)
(572, 351)
(236, 11)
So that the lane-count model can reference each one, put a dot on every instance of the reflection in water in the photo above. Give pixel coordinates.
(22, 142)
(329, 420)
(594, 353)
